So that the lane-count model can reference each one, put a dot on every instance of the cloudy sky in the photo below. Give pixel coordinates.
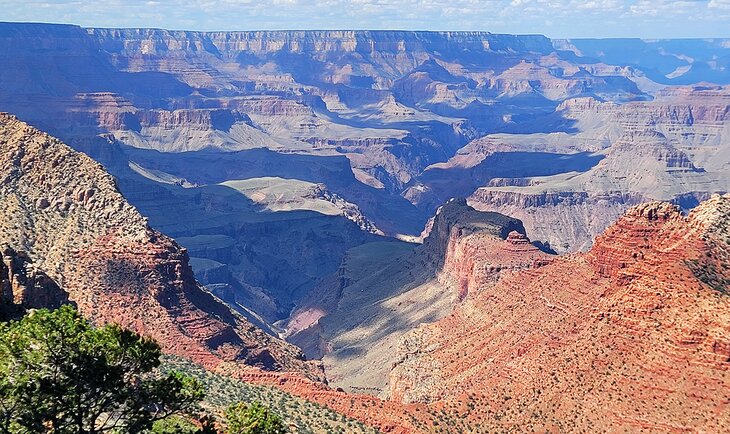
(567, 18)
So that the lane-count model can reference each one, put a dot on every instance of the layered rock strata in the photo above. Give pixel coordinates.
(395, 287)
(632, 335)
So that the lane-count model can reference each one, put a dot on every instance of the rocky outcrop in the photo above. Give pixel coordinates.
(349, 211)
(631, 335)
(455, 219)
(673, 148)
(23, 286)
(469, 247)
(65, 211)
(396, 106)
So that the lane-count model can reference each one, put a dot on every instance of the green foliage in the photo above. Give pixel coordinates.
(174, 425)
(60, 375)
(253, 419)
(182, 425)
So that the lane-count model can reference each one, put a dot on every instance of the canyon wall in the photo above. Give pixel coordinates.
(631, 335)
(356, 316)
(289, 163)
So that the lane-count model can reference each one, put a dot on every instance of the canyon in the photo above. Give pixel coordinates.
(395, 287)
(455, 231)
(371, 131)
(526, 338)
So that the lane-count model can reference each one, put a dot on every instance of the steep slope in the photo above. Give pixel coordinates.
(65, 212)
(69, 236)
(385, 125)
(633, 335)
(382, 290)
(393, 102)
(278, 159)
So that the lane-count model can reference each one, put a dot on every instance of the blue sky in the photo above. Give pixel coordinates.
(568, 18)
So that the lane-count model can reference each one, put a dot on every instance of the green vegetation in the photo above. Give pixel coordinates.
(61, 375)
(58, 374)
(253, 419)
(179, 425)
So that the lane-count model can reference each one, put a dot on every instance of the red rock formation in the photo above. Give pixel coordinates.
(633, 335)
(473, 252)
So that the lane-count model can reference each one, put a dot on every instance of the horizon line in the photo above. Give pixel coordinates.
(712, 38)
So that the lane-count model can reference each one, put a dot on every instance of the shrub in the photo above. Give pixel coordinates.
(253, 419)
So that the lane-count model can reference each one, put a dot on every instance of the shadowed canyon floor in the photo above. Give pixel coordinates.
(366, 134)
(402, 288)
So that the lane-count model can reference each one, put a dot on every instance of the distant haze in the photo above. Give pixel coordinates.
(556, 19)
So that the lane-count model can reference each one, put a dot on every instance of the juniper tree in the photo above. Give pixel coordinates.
(61, 375)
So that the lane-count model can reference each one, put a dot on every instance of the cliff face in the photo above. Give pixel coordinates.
(64, 210)
(23, 286)
(418, 95)
(631, 335)
(468, 247)
(152, 41)
(392, 122)
(456, 220)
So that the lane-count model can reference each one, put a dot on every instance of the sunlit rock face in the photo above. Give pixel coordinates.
(382, 291)
(619, 337)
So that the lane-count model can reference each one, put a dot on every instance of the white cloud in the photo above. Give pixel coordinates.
(719, 4)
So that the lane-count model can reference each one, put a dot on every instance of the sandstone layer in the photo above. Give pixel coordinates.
(568, 187)
(283, 150)
(70, 237)
(283, 161)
